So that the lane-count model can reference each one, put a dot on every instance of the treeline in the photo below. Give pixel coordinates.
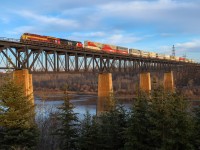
(82, 82)
(162, 121)
(188, 83)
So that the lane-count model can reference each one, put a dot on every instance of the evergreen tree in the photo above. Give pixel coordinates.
(137, 133)
(112, 125)
(89, 133)
(171, 123)
(17, 126)
(68, 130)
(112, 128)
(160, 121)
(196, 136)
(105, 131)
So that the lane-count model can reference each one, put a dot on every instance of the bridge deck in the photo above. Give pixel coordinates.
(44, 57)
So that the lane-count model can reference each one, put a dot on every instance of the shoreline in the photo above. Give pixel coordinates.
(53, 95)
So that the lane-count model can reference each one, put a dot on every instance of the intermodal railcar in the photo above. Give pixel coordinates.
(105, 47)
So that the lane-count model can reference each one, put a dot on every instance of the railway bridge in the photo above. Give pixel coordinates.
(31, 57)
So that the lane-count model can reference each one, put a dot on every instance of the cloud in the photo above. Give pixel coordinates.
(167, 34)
(49, 20)
(22, 29)
(145, 9)
(4, 20)
(41, 24)
(89, 35)
(115, 37)
(162, 14)
(121, 39)
(191, 46)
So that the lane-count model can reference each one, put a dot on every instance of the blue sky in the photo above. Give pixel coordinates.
(152, 25)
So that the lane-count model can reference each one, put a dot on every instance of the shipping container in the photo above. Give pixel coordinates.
(109, 48)
(152, 55)
(167, 57)
(135, 52)
(181, 59)
(122, 50)
(191, 61)
(160, 56)
(92, 45)
(176, 58)
(144, 54)
(187, 60)
(93, 48)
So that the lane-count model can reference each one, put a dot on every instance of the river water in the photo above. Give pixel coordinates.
(82, 103)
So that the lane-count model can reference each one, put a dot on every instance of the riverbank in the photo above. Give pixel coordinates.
(53, 95)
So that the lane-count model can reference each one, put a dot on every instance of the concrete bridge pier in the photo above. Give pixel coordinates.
(105, 86)
(145, 82)
(169, 81)
(23, 78)
(31, 87)
(105, 91)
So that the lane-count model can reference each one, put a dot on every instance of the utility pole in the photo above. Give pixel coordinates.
(173, 51)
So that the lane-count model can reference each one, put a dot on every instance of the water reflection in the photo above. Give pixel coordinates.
(81, 104)
(104, 104)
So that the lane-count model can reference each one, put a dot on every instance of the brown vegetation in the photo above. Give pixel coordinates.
(123, 84)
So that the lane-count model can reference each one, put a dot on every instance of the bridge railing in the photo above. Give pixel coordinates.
(9, 39)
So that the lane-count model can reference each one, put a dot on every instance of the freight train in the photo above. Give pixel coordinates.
(96, 46)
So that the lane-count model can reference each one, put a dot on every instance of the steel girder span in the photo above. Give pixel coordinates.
(48, 58)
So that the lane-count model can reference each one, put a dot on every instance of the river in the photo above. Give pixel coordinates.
(82, 103)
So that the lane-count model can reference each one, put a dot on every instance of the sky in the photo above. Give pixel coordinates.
(151, 25)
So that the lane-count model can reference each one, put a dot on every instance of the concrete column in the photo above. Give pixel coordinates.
(169, 81)
(105, 86)
(145, 82)
(24, 79)
(31, 87)
(105, 90)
